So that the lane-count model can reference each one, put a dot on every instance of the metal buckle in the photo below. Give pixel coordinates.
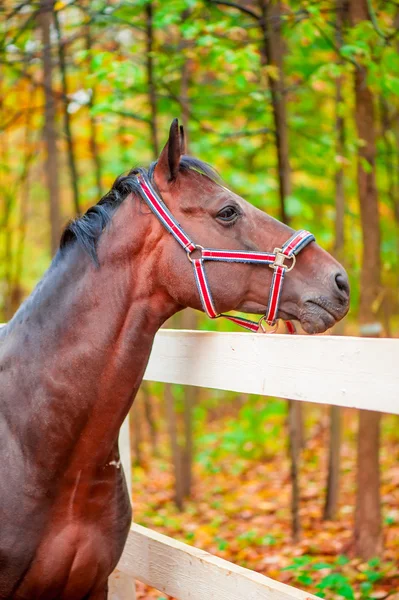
(280, 258)
(261, 326)
(197, 247)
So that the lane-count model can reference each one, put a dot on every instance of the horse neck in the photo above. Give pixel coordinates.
(84, 338)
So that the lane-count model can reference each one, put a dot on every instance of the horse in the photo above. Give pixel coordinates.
(74, 354)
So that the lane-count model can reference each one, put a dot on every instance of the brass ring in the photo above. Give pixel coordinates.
(280, 258)
(293, 258)
(197, 247)
(261, 326)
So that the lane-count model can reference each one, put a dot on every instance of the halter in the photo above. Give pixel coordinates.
(276, 260)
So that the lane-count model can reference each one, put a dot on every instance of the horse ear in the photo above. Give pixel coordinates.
(168, 162)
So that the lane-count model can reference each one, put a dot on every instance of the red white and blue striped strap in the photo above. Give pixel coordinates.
(275, 259)
(265, 258)
(164, 215)
(274, 295)
(207, 302)
(295, 244)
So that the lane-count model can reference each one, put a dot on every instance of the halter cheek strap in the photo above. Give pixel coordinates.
(281, 260)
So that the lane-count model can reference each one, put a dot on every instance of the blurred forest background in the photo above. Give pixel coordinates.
(297, 106)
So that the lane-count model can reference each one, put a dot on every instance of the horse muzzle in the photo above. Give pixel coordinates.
(318, 312)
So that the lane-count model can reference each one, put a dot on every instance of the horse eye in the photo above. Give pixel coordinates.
(227, 214)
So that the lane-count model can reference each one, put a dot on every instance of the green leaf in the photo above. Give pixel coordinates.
(392, 84)
(389, 520)
(241, 81)
(319, 566)
(374, 562)
(346, 591)
(305, 579)
(366, 166)
(366, 587)
(98, 60)
(222, 544)
(373, 576)
(268, 540)
(349, 50)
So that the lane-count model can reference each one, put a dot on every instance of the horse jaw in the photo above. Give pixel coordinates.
(313, 316)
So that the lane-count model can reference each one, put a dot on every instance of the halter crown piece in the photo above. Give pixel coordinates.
(277, 260)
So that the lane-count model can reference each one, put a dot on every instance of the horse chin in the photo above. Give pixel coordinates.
(319, 325)
(315, 318)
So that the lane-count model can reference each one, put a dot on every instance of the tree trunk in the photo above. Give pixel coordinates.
(123, 146)
(294, 435)
(368, 530)
(184, 99)
(7, 207)
(176, 452)
(368, 521)
(16, 289)
(272, 56)
(396, 131)
(93, 140)
(339, 147)
(189, 317)
(149, 417)
(189, 321)
(49, 129)
(187, 457)
(135, 424)
(7, 258)
(150, 78)
(393, 197)
(67, 119)
(393, 188)
(333, 477)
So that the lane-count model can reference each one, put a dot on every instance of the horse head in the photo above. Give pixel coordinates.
(315, 291)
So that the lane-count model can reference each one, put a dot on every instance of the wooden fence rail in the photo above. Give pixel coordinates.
(345, 371)
(188, 573)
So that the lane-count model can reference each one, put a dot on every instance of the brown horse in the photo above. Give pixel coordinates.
(75, 353)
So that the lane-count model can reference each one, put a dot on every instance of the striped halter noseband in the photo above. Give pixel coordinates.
(275, 260)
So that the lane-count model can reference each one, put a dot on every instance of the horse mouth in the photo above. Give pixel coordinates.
(315, 316)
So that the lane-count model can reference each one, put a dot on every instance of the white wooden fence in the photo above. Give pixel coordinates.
(346, 371)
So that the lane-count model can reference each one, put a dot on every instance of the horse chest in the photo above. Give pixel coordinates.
(82, 541)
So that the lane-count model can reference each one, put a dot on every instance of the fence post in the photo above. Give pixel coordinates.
(121, 587)
(125, 455)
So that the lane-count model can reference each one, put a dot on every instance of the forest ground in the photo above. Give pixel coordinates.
(240, 506)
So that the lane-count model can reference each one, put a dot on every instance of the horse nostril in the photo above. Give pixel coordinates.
(342, 283)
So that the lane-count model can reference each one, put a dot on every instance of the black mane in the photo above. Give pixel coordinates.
(87, 229)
